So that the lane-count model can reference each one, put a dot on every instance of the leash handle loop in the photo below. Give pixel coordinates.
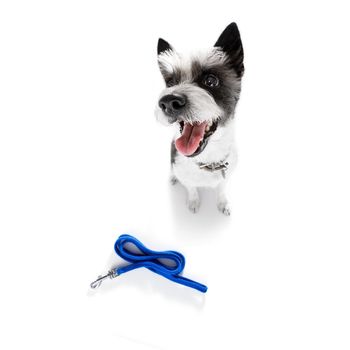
(168, 264)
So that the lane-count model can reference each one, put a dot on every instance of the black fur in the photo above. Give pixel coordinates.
(228, 71)
(224, 94)
(173, 153)
(230, 42)
(163, 46)
(173, 79)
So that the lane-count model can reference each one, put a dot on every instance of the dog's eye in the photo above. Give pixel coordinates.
(211, 80)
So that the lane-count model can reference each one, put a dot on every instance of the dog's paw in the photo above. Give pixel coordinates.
(193, 205)
(224, 208)
(173, 180)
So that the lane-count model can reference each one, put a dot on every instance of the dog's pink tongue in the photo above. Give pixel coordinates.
(191, 136)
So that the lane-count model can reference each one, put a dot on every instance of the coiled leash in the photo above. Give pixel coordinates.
(151, 260)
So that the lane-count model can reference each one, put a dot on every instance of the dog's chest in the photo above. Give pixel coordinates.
(190, 174)
(211, 166)
(205, 172)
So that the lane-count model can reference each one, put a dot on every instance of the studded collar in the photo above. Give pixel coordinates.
(222, 166)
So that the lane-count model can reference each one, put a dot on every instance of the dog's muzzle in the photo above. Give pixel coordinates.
(172, 106)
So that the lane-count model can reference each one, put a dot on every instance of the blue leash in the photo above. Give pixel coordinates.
(152, 261)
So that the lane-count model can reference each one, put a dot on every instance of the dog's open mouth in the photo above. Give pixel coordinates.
(194, 137)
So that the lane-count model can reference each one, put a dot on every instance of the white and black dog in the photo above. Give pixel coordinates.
(200, 97)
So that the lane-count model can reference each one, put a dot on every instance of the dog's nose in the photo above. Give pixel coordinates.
(172, 105)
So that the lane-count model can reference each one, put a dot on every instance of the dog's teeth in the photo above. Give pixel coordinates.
(207, 128)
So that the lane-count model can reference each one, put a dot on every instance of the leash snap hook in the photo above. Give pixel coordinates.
(111, 274)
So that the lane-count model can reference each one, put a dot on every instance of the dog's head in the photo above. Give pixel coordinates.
(202, 90)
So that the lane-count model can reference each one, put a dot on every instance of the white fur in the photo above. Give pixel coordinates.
(202, 107)
(221, 146)
(170, 59)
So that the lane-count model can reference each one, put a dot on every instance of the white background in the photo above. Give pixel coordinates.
(83, 160)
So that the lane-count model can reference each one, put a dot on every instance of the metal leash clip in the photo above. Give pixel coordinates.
(111, 274)
(151, 260)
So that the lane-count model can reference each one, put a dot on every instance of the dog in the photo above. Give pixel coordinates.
(200, 98)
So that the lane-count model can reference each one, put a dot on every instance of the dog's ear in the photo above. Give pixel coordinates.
(230, 42)
(163, 46)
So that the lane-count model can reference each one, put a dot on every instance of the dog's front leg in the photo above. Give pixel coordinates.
(193, 201)
(221, 200)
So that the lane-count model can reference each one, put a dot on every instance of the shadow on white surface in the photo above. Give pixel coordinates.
(206, 223)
